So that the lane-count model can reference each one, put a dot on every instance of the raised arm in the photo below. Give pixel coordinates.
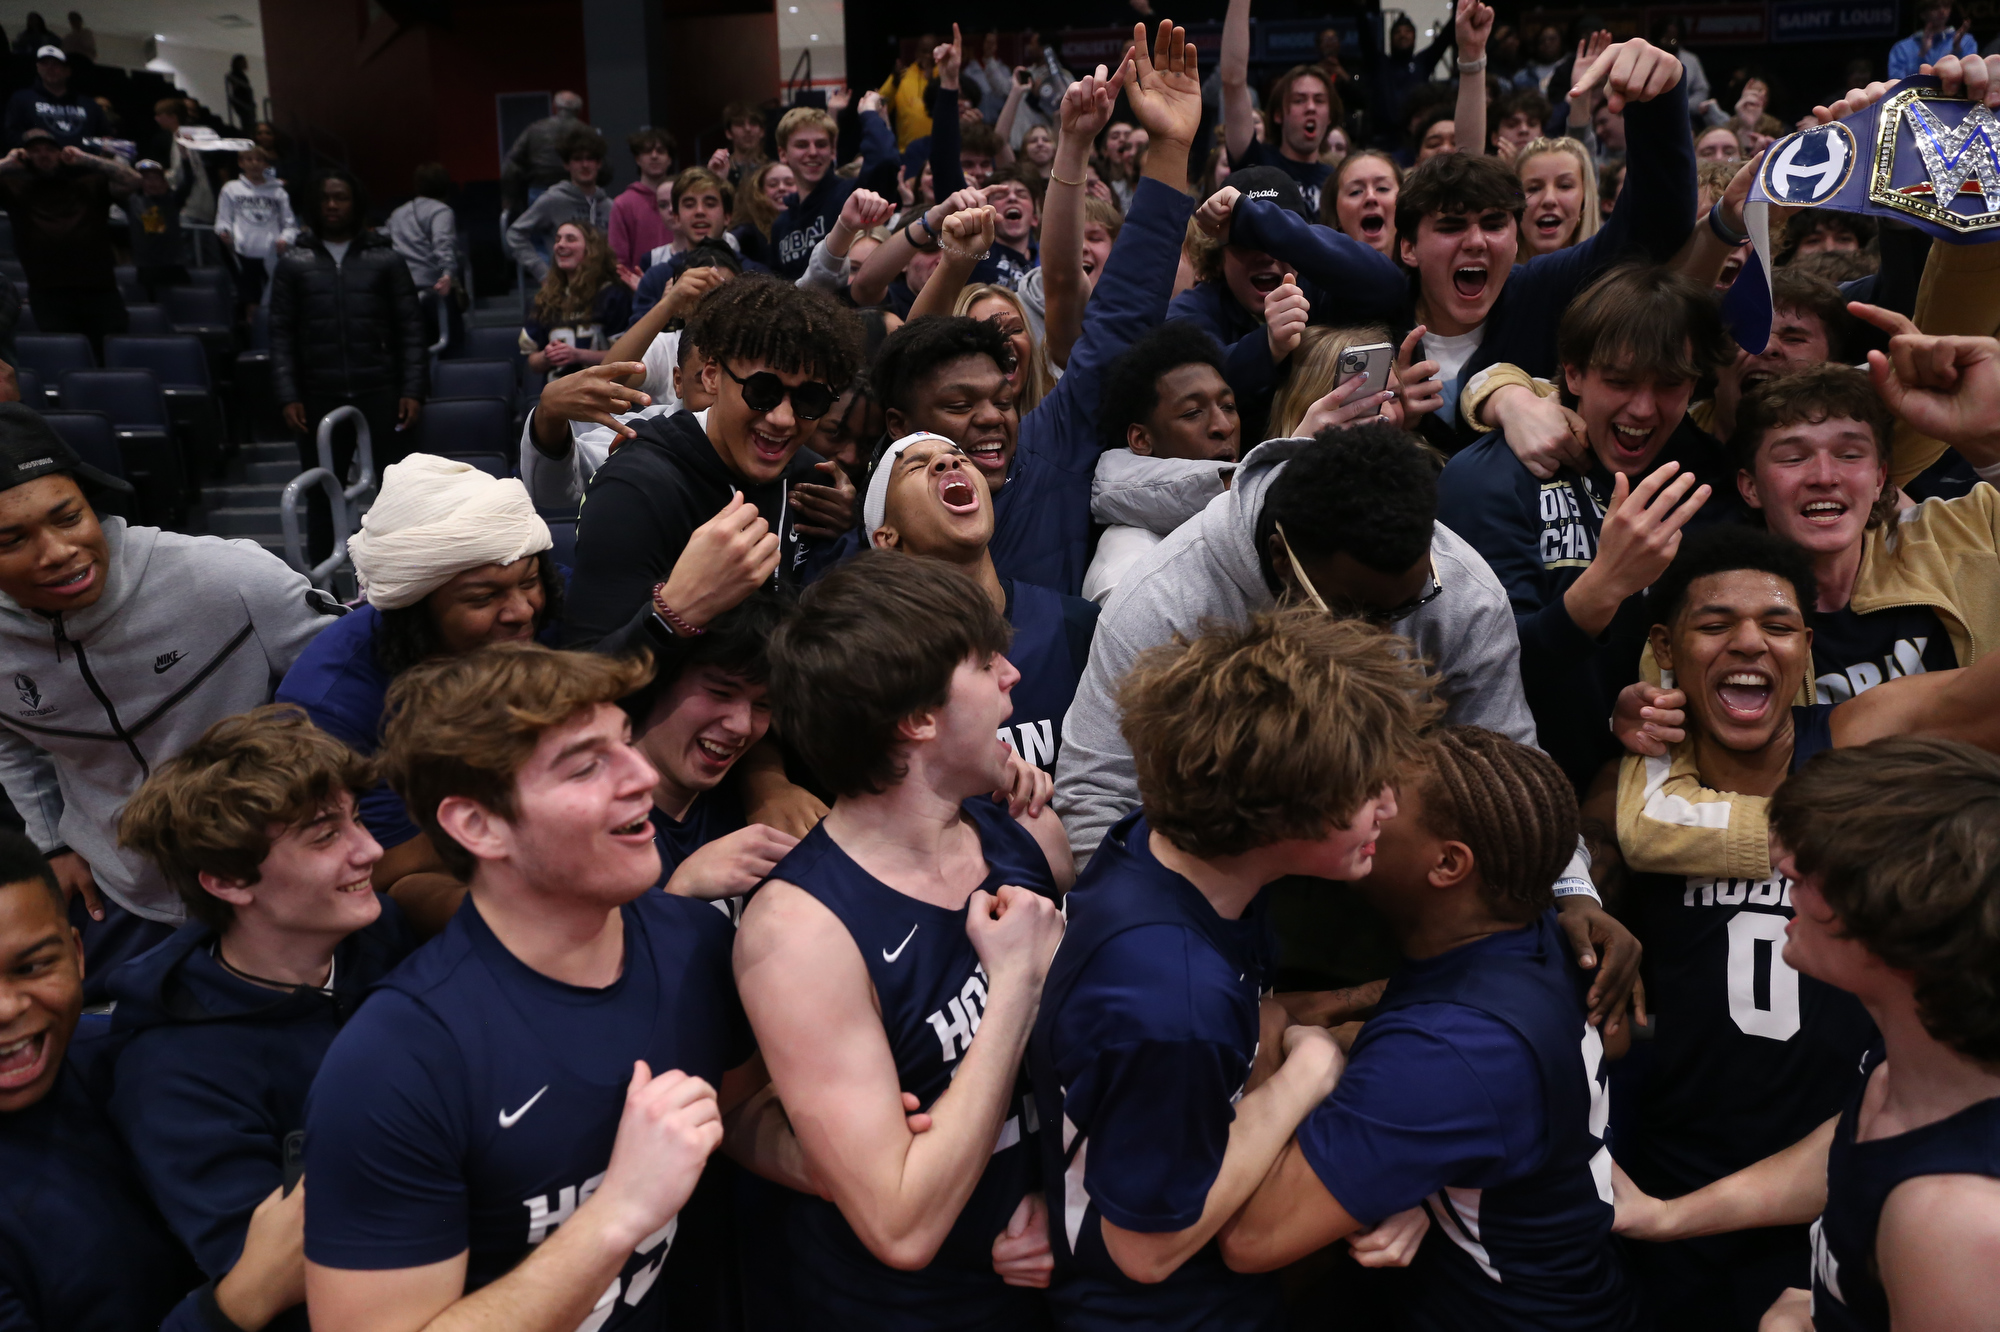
(1086, 107)
(947, 172)
(1239, 106)
(1364, 282)
(967, 236)
(871, 284)
(808, 996)
(1474, 24)
(1003, 129)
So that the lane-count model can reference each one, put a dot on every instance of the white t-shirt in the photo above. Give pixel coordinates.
(338, 249)
(1451, 354)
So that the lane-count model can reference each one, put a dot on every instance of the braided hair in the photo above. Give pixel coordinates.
(1511, 805)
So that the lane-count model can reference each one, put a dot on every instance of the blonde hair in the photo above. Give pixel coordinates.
(1202, 252)
(753, 205)
(1590, 217)
(1315, 371)
(805, 118)
(565, 297)
(1036, 380)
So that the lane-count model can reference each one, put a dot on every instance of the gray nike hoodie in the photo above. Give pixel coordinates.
(1208, 573)
(190, 630)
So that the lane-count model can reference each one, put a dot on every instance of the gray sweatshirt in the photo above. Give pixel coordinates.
(190, 630)
(1208, 572)
(559, 203)
(425, 232)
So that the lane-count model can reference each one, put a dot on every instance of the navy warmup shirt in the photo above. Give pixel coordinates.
(1050, 647)
(932, 992)
(1854, 653)
(1146, 1035)
(1478, 1090)
(1847, 1283)
(472, 1103)
(81, 1248)
(1749, 1055)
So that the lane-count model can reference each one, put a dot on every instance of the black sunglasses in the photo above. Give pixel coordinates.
(763, 391)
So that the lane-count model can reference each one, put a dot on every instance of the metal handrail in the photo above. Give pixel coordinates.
(364, 449)
(320, 574)
(436, 349)
(338, 497)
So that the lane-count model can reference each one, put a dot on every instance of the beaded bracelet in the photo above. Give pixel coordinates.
(667, 616)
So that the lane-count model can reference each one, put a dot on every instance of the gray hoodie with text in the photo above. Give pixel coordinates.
(190, 630)
(1208, 572)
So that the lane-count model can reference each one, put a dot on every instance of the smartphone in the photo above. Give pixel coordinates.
(1022, 76)
(295, 1159)
(1371, 359)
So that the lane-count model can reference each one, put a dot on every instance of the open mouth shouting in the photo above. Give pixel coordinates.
(773, 450)
(957, 494)
(1373, 224)
(1745, 695)
(714, 757)
(1824, 512)
(988, 454)
(1469, 281)
(1267, 281)
(22, 1060)
(1549, 225)
(1629, 442)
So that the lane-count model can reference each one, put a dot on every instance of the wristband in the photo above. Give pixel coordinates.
(1472, 66)
(928, 247)
(667, 617)
(1567, 887)
(1721, 228)
(1078, 183)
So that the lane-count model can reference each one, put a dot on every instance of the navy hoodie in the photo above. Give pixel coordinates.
(813, 213)
(638, 512)
(1041, 517)
(212, 1074)
(81, 1247)
(1538, 537)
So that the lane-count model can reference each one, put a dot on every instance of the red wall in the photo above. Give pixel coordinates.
(395, 97)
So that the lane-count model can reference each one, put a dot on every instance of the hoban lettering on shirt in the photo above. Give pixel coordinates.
(958, 1021)
(1034, 741)
(1565, 542)
(548, 1211)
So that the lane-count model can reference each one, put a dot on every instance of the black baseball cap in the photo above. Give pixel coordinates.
(31, 449)
(35, 132)
(1268, 182)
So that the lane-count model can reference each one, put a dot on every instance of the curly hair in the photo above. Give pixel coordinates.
(1368, 490)
(1902, 839)
(872, 643)
(1727, 548)
(1511, 805)
(758, 317)
(915, 351)
(212, 807)
(1276, 731)
(569, 296)
(466, 725)
(1131, 389)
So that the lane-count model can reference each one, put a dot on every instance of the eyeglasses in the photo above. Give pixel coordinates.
(763, 391)
(1391, 615)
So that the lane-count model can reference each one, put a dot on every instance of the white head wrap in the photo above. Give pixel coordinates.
(875, 504)
(436, 518)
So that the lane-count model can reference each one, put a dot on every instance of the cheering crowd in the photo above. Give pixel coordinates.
(1154, 723)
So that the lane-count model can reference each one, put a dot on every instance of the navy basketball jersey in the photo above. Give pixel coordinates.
(1144, 1042)
(1860, 1176)
(931, 990)
(1535, 1251)
(1749, 1056)
(715, 813)
(471, 1105)
(1050, 647)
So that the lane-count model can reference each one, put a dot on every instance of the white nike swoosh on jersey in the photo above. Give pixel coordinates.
(888, 956)
(508, 1121)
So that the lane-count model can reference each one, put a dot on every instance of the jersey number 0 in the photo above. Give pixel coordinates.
(1763, 988)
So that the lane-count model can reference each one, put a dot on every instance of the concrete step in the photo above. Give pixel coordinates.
(274, 451)
(270, 473)
(233, 495)
(260, 523)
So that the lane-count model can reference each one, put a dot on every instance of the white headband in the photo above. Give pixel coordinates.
(434, 519)
(875, 504)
